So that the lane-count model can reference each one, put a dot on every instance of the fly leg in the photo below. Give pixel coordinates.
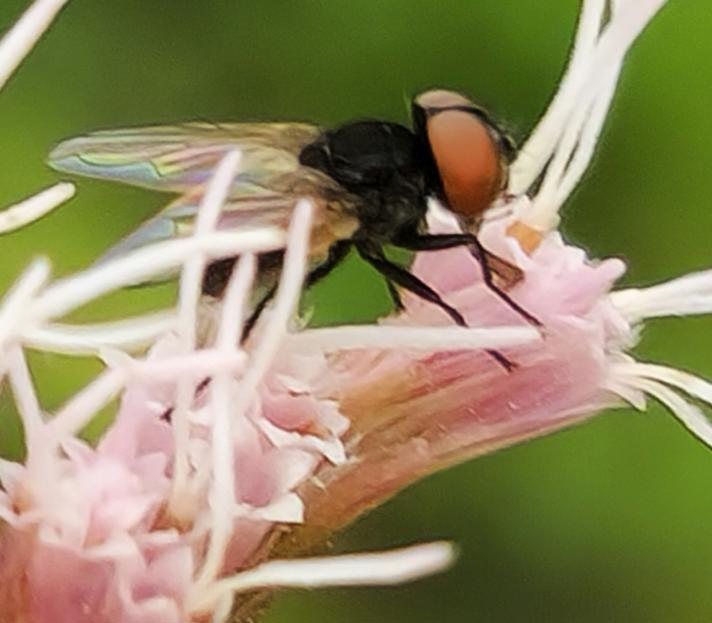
(337, 252)
(437, 242)
(256, 313)
(395, 296)
(398, 275)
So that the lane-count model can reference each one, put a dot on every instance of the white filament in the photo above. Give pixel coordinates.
(23, 36)
(557, 153)
(130, 334)
(222, 494)
(562, 144)
(391, 567)
(20, 214)
(412, 338)
(684, 296)
(188, 301)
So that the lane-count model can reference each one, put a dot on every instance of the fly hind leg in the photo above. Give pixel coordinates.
(437, 242)
(337, 252)
(398, 275)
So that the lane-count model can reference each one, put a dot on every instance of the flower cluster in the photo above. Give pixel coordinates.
(226, 463)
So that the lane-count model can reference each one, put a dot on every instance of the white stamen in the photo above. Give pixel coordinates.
(686, 296)
(588, 139)
(535, 153)
(194, 365)
(571, 157)
(689, 383)
(221, 497)
(285, 301)
(588, 85)
(382, 568)
(416, 338)
(25, 396)
(34, 208)
(234, 302)
(143, 264)
(222, 611)
(85, 404)
(540, 144)
(290, 285)
(690, 416)
(40, 453)
(15, 363)
(222, 493)
(14, 308)
(205, 223)
(634, 396)
(189, 298)
(131, 334)
(654, 379)
(23, 36)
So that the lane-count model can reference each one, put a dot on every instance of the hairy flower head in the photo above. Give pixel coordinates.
(225, 460)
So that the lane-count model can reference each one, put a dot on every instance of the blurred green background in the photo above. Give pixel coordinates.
(611, 521)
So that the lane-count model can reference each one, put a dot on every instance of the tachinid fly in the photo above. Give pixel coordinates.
(369, 181)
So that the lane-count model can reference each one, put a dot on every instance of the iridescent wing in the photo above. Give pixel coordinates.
(176, 220)
(177, 158)
(181, 159)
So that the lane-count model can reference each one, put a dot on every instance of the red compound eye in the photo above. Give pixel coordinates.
(467, 159)
(465, 149)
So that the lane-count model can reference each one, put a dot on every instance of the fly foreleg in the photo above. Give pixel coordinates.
(438, 242)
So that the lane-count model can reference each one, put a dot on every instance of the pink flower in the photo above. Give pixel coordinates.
(193, 493)
(413, 412)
